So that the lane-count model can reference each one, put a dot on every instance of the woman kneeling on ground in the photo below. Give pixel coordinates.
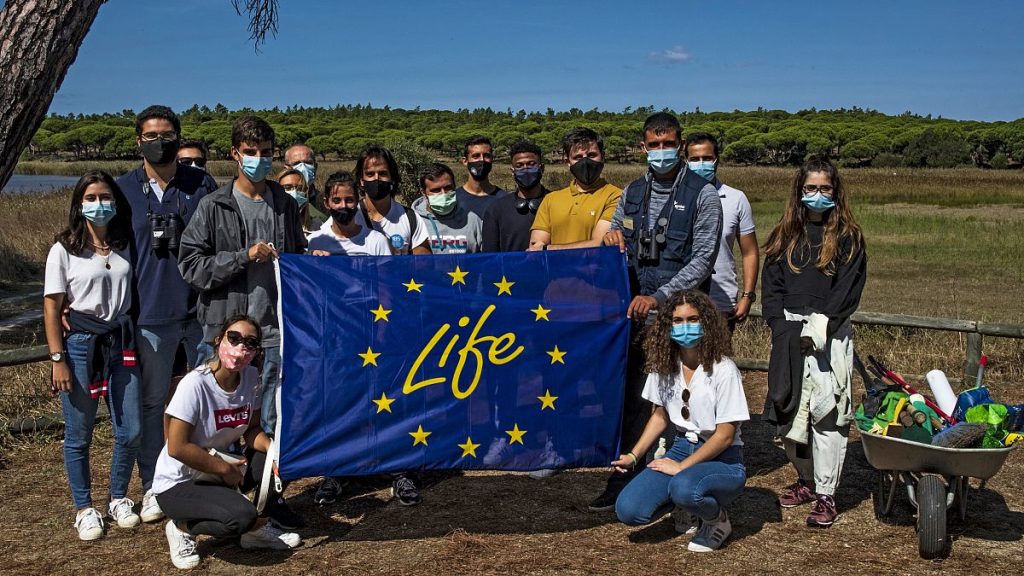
(88, 271)
(197, 488)
(699, 391)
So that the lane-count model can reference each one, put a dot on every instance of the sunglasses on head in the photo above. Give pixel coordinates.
(198, 161)
(235, 338)
(685, 410)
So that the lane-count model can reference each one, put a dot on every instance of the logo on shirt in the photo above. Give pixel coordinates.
(231, 417)
(678, 206)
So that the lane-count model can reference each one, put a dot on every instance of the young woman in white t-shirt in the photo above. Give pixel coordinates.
(88, 273)
(342, 235)
(196, 483)
(699, 391)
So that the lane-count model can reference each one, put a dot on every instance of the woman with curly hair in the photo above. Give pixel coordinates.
(699, 391)
(814, 272)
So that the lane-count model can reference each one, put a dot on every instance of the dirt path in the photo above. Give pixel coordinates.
(498, 523)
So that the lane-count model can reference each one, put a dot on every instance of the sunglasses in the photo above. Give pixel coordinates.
(251, 343)
(198, 161)
(685, 410)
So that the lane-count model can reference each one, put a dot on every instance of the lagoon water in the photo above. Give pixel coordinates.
(37, 184)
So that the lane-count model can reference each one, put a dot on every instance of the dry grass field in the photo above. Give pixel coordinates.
(940, 243)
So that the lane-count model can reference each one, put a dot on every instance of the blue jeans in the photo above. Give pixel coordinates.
(158, 346)
(271, 380)
(79, 410)
(702, 489)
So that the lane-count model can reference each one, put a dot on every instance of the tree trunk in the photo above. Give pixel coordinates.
(39, 40)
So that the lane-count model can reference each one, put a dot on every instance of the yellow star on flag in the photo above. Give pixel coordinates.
(546, 401)
(504, 287)
(413, 286)
(458, 277)
(380, 313)
(384, 403)
(541, 313)
(469, 449)
(419, 436)
(557, 355)
(370, 357)
(515, 435)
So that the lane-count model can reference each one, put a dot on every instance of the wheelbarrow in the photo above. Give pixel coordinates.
(936, 481)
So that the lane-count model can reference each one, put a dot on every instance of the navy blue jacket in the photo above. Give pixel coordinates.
(161, 295)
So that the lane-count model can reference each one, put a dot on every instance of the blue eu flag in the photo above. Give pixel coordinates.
(511, 361)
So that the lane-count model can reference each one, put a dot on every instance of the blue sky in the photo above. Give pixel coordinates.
(954, 59)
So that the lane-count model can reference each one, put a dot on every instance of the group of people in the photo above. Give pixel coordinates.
(162, 269)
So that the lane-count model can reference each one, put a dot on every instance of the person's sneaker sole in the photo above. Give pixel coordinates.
(150, 518)
(812, 523)
(130, 522)
(606, 508)
(402, 502)
(90, 535)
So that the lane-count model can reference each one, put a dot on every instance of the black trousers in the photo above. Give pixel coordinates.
(215, 509)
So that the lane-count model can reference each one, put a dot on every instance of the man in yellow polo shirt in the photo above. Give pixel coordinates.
(579, 215)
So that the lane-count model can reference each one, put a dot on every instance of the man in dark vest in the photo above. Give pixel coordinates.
(668, 223)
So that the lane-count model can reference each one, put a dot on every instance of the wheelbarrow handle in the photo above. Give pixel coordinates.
(910, 390)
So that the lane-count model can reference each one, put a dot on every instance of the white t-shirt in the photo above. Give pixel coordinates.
(395, 227)
(737, 220)
(218, 419)
(713, 400)
(87, 284)
(367, 243)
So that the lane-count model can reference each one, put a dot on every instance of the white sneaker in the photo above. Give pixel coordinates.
(552, 459)
(270, 536)
(495, 452)
(711, 535)
(182, 546)
(120, 511)
(89, 524)
(150, 511)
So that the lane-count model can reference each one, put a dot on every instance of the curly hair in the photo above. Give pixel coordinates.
(663, 355)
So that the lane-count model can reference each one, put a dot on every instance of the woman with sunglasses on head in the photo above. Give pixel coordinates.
(294, 183)
(198, 484)
(814, 272)
(698, 390)
(88, 272)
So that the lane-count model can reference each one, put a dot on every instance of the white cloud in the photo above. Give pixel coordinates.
(674, 54)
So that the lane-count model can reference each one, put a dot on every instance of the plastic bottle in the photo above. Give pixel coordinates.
(941, 390)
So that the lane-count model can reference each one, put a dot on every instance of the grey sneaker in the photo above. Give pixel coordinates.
(270, 537)
(685, 522)
(711, 535)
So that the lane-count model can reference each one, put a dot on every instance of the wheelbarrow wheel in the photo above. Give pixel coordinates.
(931, 517)
(884, 496)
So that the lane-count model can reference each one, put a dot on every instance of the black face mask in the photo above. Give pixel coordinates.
(378, 189)
(159, 151)
(343, 216)
(586, 171)
(479, 170)
(527, 178)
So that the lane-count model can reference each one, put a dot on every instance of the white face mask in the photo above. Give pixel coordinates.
(307, 170)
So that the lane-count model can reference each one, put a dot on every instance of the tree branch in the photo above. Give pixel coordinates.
(262, 18)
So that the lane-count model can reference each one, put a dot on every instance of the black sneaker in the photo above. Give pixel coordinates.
(328, 491)
(606, 501)
(405, 489)
(282, 515)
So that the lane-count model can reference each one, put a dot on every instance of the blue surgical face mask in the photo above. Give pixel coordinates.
(256, 168)
(818, 202)
(299, 197)
(687, 335)
(307, 170)
(704, 169)
(662, 161)
(99, 212)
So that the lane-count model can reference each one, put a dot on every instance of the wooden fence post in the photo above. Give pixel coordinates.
(974, 340)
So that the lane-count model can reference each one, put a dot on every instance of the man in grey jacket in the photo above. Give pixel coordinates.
(451, 227)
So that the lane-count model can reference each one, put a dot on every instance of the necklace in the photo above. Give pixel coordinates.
(106, 257)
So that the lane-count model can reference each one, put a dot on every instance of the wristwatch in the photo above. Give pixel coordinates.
(751, 295)
(57, 356)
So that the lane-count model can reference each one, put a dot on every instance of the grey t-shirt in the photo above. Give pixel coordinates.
(259, 221)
